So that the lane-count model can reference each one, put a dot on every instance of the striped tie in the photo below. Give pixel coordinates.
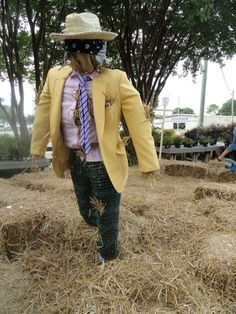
(84, 115)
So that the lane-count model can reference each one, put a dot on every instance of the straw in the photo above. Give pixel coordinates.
(176, 248)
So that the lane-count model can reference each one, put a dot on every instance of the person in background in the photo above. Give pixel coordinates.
(79, 109)
(230, 148)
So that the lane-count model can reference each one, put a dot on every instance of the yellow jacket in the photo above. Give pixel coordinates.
(112, 94)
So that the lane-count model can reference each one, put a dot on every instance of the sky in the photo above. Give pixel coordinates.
(183, 91)
(187, 93)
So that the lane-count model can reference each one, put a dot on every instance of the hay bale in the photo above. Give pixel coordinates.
(217, 264)
(42, 182)
(34, 230)
(161, 231)
(229, 216)
(10, 295)
(182, 170)
(226, 176)
(225, 194)
(18, 234)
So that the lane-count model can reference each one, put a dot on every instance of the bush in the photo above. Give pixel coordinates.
(24, 150)
(10, 149)
(188, 142)
(156, 133)
(213, 132)
(205, 140)
(194, 134)
(168, 137)
(178, 141)
(4, 146)
(168, 140)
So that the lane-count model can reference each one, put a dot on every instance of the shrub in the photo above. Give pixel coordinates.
(215, 132)
(204, 140)
(4, 146)
(178, 141)
(188, 142)
(194, 134)
(168, 140)
(156, 136)
(168, 137)
(10, 149)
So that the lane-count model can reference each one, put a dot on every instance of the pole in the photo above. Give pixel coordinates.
(165, 101)
(178, 113)
(203, 93)
(162, 131)
(232, 107)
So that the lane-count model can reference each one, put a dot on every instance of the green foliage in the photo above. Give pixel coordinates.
(194, 134)
(4, 144)
(168, 136)
(24, 147)
(11, 149)
(185, 110)
(3, 116)
(29, 119)
(187, 141)
(203, 135)
(212, 133)
(225, 110)
(178, 140)
(168, 140)
(153, 36)
(188, 33)
(212, 109)
(156, 133)
(8, 147)
(132, 160)
(204, 140)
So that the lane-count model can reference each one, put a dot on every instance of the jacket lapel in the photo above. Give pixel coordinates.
(98, 95)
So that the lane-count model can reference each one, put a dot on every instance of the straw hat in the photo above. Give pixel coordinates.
(83, 26)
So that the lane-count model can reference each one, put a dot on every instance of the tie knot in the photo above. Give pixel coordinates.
(82, 79)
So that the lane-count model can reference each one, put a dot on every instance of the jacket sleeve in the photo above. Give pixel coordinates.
(41, 126)
(139, 126)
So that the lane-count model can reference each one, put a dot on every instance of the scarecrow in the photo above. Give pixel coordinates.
(79, 109)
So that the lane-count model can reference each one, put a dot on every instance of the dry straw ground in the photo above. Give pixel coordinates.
(178, 244)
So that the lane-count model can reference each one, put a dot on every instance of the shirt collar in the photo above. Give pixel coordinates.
(92, 75)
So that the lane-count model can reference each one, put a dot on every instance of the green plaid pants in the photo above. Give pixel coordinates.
(91, 181)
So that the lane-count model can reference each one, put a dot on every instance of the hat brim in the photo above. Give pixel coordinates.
(107, 36)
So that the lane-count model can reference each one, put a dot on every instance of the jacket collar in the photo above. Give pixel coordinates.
(64, 72)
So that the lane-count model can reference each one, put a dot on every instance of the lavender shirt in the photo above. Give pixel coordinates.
(71, 132)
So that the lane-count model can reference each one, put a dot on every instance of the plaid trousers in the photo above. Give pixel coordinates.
(91, 182)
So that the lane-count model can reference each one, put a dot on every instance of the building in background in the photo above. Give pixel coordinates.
(185, 122)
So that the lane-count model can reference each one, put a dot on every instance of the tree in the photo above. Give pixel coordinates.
(43, 18)
(213, 109)
(225, 110)
(35, 19)
(12, 35)
(29, 119)
(26, 52)
(153, 36)
(3, 109)
(185, 110)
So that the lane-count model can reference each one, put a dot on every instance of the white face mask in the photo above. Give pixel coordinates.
(101, 56)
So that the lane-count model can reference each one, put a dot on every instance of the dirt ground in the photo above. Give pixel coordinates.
(177, 239)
